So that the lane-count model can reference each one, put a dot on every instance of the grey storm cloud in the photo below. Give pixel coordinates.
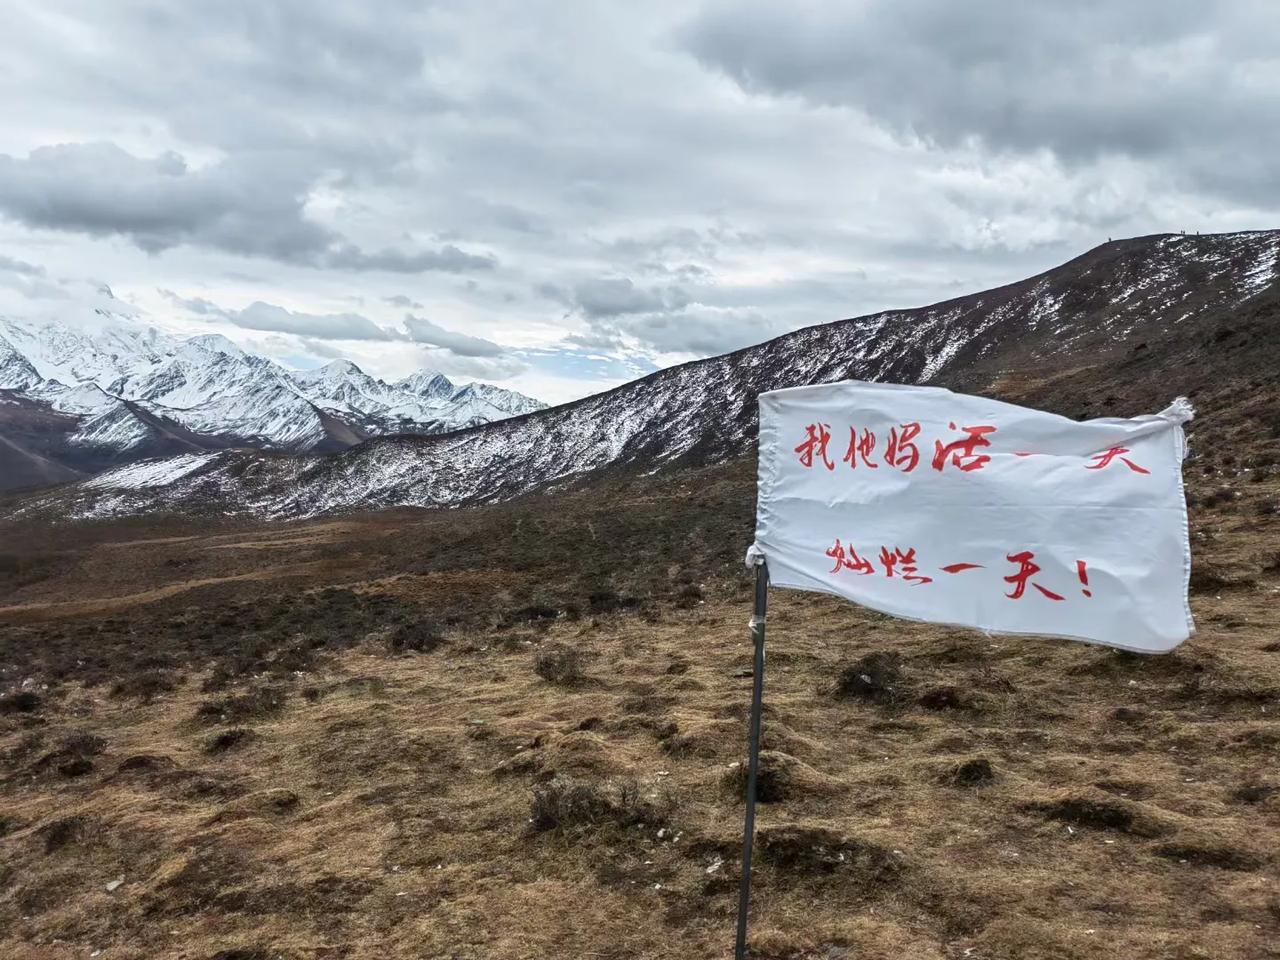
(697, 174)
(277, 319)
(400, 300)
(703, 331)
(668, 319)
(197, 305)
(329, 326)
(614, 296)
(1194, 83)
(246, 207)
(422, 330)
(21, 267)
(315, 328)
(698, 330)
(29, 279)
(448, 259)
(99, 189)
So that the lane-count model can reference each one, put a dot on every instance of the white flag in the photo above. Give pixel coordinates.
(937, 506)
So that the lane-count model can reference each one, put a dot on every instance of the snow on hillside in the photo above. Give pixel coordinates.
(704, 412)
(16, 371)
(115, 428)
(122, 348)
(424, 397)
(147, 473)
(206, 391)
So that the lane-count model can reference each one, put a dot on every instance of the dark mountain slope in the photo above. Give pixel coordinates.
(1095, 312)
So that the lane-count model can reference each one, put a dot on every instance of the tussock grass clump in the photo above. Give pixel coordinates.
(146, 686)
(1099, 811)
(28, 744)
(780, 778)
(228, 740)
(145, 763)
(1254, 792)
(272, 803)
(73, 756)
(83, 744)
(417, 636)
(565, 804)
(64, 832)
(24, 701)
(946, 698)
(877, 677)
(258, 702)
(1209, 854)
(798, 848)
(974, 772)
(1128, 715)
(689, 596)
(245, 953)
(561, 665)
(608, 601)
(775, 778)
(1206, 578)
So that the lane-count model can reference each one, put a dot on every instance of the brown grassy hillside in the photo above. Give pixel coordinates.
(514, 732)
(440, 735)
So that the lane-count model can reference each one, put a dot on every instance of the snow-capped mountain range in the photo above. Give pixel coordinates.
(1163, 308)
(73, 401)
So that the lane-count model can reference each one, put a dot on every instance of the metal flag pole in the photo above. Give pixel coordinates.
(753, 760)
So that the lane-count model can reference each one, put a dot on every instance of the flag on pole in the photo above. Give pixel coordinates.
(937, 506)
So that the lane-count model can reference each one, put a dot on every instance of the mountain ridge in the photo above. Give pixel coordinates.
(1119, 294)
(204, 389)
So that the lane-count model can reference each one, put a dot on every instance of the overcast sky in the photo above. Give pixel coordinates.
(561, 196)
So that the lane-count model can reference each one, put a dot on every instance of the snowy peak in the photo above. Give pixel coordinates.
(16, 372)
(507, 401)
(117, 348)
(340, 380)
(124, 385)
(211, 344)
(485, 403)
(427, 384)
(426, 396)
(82, 398)
(333, 372)
(1163, 314)
(342, 388)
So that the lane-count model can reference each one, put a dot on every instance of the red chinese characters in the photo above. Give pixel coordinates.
(1027, 568)
(963, 452)
(904, 563)
(900, 564)
(900, 452)
(848, 559)
(862, 447)
(1102, 460)
(814, 444)
(897, 563)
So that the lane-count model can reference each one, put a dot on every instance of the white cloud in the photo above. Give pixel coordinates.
(694, 177)
(423, 330)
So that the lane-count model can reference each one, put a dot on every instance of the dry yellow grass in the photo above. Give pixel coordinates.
(269, 771)
(1131, 809)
